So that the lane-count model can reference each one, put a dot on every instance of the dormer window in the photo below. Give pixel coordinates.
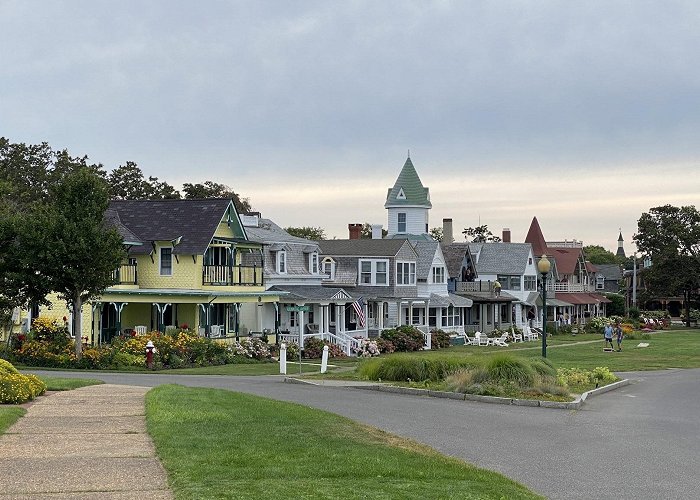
(401, 195)
(328, 267)
(401, 223)
(282, 262)
(600, 282)
(313, 263)
(438, 274)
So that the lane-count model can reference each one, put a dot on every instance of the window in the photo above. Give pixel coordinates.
(438, 274)
(313, 263)
(216, 256)
(530, 283)
(600, 283)
(515, 283)
(373, 272)
(282, 262)
(402, 223)
(509, 282)
(328, 267)
(166, 261)
(405, 273)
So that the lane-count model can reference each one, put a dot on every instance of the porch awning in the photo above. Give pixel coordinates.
(556, 302)
(313, 294)
(583, 298)
(449, 300)
(186, 296)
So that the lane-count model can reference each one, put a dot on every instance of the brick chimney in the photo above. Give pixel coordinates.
(506, 235)
(447, 236)
(355, 230)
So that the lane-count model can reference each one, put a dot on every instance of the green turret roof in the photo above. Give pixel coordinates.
(408, 189)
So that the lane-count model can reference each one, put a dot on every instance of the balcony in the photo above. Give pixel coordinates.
(232, 275)
(126, 274)
(570, 287)
(474, 286)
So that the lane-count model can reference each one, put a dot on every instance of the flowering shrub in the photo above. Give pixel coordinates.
(251, 348)
(313, 349)
(578, 377)
(49, 330)
(44, 353)
(16, 388)
(439, 339)
(404, 338)
(367, 348)
(385, 346)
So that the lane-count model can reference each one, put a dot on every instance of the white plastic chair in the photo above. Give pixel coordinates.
(482, 339)
(517, 337)
(214, 331)
(500, 341)
(140, 330)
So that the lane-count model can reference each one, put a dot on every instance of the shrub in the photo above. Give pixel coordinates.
(509, 368)
(252, 348)
(367, 348)
(407, 368)
(36, 385)
(543, 367)
(49, 330)
(16, 388)
(404, 338)
(313, 348)
(385, 346)
(7, 368)
(439, 339)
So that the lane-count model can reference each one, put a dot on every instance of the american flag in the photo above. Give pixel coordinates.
(359, 306)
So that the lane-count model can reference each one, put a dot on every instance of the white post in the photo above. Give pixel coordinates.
(301, 329)
(283, 358)
(324, 359)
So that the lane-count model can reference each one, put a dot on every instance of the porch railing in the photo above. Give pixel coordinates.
(126, 274)
(569, 287)
(232, 275)
(474, 286)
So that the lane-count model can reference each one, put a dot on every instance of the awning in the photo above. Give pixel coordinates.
(449, 300)
(556, 302)
(583, 298)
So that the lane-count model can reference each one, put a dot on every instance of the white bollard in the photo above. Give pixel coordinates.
(324, 359)
(283, 359)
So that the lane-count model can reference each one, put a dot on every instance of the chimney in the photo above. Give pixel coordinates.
(376, 231)
(506, 235)
(447, 236)
(355, 231)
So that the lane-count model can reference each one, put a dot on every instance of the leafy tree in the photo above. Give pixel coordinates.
(481, 234)
(617, 304)
(70, 245)
(671, 237)
(436, 233)
(310, 233)
(366, 231)
(209, 189)
(127, 182)
(596, 254)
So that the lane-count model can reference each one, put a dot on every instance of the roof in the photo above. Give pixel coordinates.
(267, 231)
(581, 298)
(194, 221)
(408, 189)
(361, 248)
(536, 238)
(454, 255)
(566, 259)
(450, 299)
(488, 297)
(501, 258)
(312, 293)
(426, 253)
(610, 271)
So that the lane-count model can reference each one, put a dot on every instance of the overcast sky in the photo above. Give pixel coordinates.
(584, 114)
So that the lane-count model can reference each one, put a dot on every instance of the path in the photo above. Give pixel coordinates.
(86, 443)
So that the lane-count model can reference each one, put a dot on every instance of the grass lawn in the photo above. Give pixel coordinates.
(9, 414)
(308, 366)
(67, 384)
(220, 444)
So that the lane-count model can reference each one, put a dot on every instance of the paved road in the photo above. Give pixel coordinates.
(638, 442)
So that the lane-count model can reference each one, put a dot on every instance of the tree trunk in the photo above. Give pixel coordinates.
(78, 325)
(686, 298)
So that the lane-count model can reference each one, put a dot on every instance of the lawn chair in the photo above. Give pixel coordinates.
(500, 341)
(482, 339)
(517, 337)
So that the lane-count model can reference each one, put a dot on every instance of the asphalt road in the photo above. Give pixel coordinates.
(638, 442)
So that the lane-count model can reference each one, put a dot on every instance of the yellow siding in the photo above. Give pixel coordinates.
(186, 274)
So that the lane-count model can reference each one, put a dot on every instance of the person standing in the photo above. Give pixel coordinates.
(609, 336)
(618, 333)
(497, 288)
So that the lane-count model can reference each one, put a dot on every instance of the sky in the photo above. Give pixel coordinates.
(583, 114)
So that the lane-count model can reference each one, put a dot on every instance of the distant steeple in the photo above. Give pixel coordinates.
(408, 205)
(620, 249)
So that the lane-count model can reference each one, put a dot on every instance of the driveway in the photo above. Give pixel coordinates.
(637, 442)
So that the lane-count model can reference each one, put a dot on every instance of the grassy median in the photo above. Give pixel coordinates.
(220, 444)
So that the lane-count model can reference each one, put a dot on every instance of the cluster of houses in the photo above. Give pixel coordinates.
(199, 264)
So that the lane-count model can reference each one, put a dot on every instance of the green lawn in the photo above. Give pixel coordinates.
(67, 384)
(308, 366)
(9, 414)
(220, 444)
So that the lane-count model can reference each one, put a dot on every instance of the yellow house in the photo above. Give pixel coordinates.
(190, 264)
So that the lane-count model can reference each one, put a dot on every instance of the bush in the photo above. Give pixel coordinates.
(16, 388)
(406, 368)
(405, 338)
(439, 339)
(367, 349)
(7, 368)
(504, 367)
(385, 346)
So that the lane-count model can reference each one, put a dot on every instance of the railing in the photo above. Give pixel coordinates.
(126, 274)
(474, 286)
(569, 287)
(232, 275)
(346, 342)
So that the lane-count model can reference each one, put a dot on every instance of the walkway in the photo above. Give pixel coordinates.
(86, 443)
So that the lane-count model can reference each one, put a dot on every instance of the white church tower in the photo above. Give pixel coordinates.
(408, 204)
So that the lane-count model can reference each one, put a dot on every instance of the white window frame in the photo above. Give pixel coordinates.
(438, 275)
(399, 222)
(372, 272)
(328, 267)
(530, 280)
(313, 263)
(409, 273)
(281, 262)
(600, 283)
(160, 260)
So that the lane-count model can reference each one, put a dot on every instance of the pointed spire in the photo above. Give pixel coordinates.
(536, 238)
(409, 184)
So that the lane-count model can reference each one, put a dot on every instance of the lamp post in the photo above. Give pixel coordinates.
(543, 266)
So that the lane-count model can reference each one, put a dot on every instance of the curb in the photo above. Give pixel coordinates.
(569, 405)
(292, 380)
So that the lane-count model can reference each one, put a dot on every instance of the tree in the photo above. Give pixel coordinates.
(70, 245)
(436, 233)
(596, 254)
(671, 237)
(127, 182)
(617, 304)
(481, 234)
(209, 189)
(310, 233)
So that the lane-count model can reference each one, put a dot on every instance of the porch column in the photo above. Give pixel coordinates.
(259, 314)
(410, 312)
(118, 306)
(97, 305)
(301, 328)
(380, 315)
(340, 322)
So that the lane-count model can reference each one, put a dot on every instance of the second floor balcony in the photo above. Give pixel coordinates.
(222, 275)
(126, 274)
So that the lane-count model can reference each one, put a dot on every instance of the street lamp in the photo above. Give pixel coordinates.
(543, 266)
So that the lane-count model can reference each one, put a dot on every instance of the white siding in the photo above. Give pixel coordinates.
(416, 220)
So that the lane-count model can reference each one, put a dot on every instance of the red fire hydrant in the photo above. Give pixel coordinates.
(149, 354)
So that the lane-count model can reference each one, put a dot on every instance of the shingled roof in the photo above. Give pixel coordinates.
(536, 238)
(361, 248)
(408, 189)
(501, 258)
(147, 221)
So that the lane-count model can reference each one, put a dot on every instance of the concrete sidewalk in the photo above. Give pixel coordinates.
(86, 443)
